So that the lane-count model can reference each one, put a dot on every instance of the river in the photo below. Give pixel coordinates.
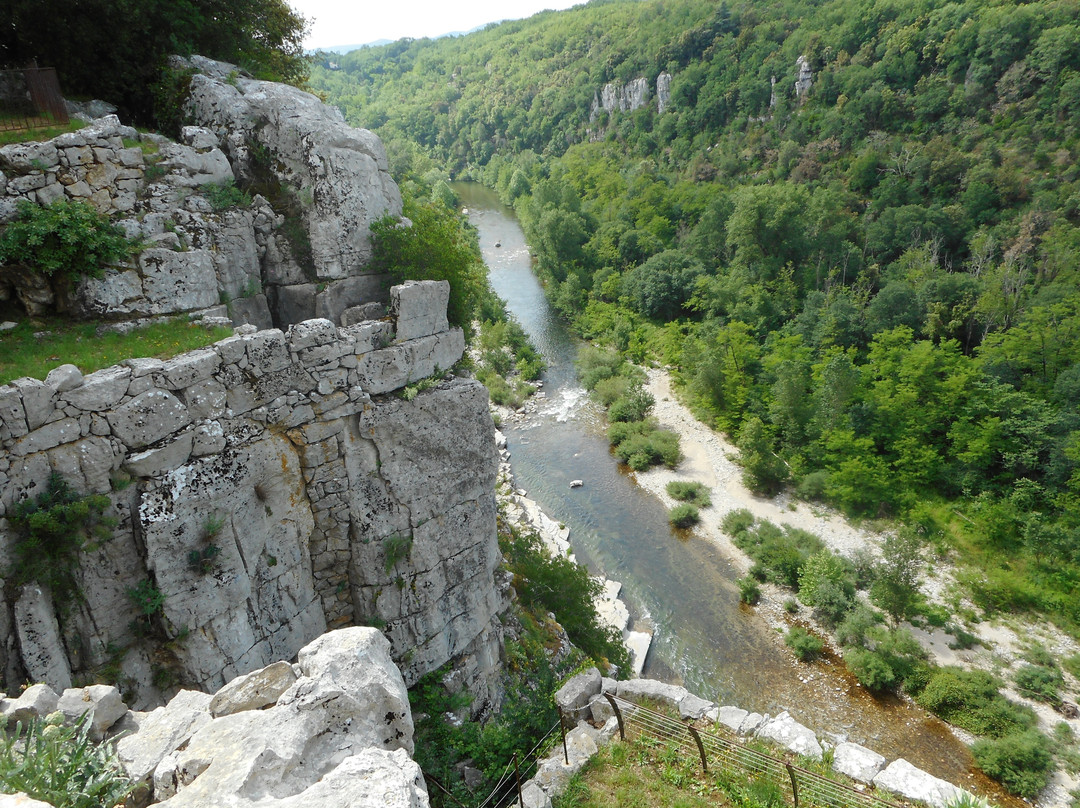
(681, 587)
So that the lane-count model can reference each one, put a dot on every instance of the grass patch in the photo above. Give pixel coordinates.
(34, 348)
(39, 133)
(693, 492)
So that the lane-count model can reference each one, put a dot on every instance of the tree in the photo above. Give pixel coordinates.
(897, 583)
(116, 49)
(435, 247)
(662, 286)
(763, 471)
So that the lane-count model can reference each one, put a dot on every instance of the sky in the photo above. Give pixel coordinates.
(354, 22)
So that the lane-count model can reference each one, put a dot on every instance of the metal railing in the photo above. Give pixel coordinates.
(507, 790)
(31, 99)
(803, 786)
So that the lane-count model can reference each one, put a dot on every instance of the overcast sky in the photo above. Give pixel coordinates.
(349, 22)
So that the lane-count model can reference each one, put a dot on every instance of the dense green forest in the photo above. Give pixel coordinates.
(873, 288)
(871, 285)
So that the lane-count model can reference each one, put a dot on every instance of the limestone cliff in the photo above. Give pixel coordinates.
(277, 490)
(299, 250)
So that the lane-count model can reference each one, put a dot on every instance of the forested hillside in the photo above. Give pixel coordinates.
(874, 287)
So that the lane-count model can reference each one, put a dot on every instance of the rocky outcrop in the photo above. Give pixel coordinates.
(276, 490)
(297, 252)
(336, 177)
(663, 92)
(339, 736)
(805, 79)
(616, 97)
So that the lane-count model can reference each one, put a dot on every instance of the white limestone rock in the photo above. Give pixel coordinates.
(39, 638)
(634, 689)
(103, 702)
(37, 701)
(574, 697)
(349, 699)
(162, 732)
(731, 717)
(254, 690)
(792, 735)
(341, 173)
(21, 800)
(900, 777)
(857, 762)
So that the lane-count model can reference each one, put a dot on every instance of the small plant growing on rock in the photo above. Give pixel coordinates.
(52, 530)
(148, 601)
(202, 561)
(226, 195)
(397, 548)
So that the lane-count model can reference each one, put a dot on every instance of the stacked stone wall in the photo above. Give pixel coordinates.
(326, 500)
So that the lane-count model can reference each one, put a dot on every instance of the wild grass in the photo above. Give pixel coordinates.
(35, 347)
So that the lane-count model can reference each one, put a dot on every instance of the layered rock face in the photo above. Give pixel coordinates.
(337, 176)
(276, 491)
(298, 251)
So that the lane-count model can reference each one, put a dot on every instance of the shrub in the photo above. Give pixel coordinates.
(226, 195)
(805, 646)
(557, 584)
(872, 671)
(686, 491)
(970, 699)
(855, 628)
(52, 530)
(820, 570)
(812, 486)
(633, 405)
(737, 522)
(749, 591)
(1039, 682)
(684, 515)
(608, 391)
(1021, 762)
(67, 237)
(60, 765)
(596, 364)
(397, 548)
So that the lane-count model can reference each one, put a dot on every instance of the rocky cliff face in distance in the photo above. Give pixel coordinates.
(268, 488)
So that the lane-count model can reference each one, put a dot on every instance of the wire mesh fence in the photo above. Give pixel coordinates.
(800, 785)
(31, 99)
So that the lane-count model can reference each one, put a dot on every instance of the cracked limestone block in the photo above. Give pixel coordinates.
(253, 600)
(148, 418)
(178, 281)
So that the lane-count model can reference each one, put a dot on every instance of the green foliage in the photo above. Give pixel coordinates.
(737, 522)
(557, 584)
(201, 559)
(1021, 762)
(689, 491)
(436, 247)
(146, 597)
(60, 765)
(896, 580)
(970, 699)
(115, 51)
(888, 305)
(641, 444)
(396, 547)
(226, 195)
(880, 658)
(67, 238)
(1039, 682)
(749, 590)
(805, 646)
(52, 531)
(779, 553)
(24, 351)
(684, 516)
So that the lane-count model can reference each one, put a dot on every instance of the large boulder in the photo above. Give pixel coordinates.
(901, 777)
(339, 736)
(792, 735)
(857, 762)
(339, 174)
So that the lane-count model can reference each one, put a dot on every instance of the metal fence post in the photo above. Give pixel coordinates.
(794, 784)
(562, 731)
(517, 779)
(700, 748)
(618, 715)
